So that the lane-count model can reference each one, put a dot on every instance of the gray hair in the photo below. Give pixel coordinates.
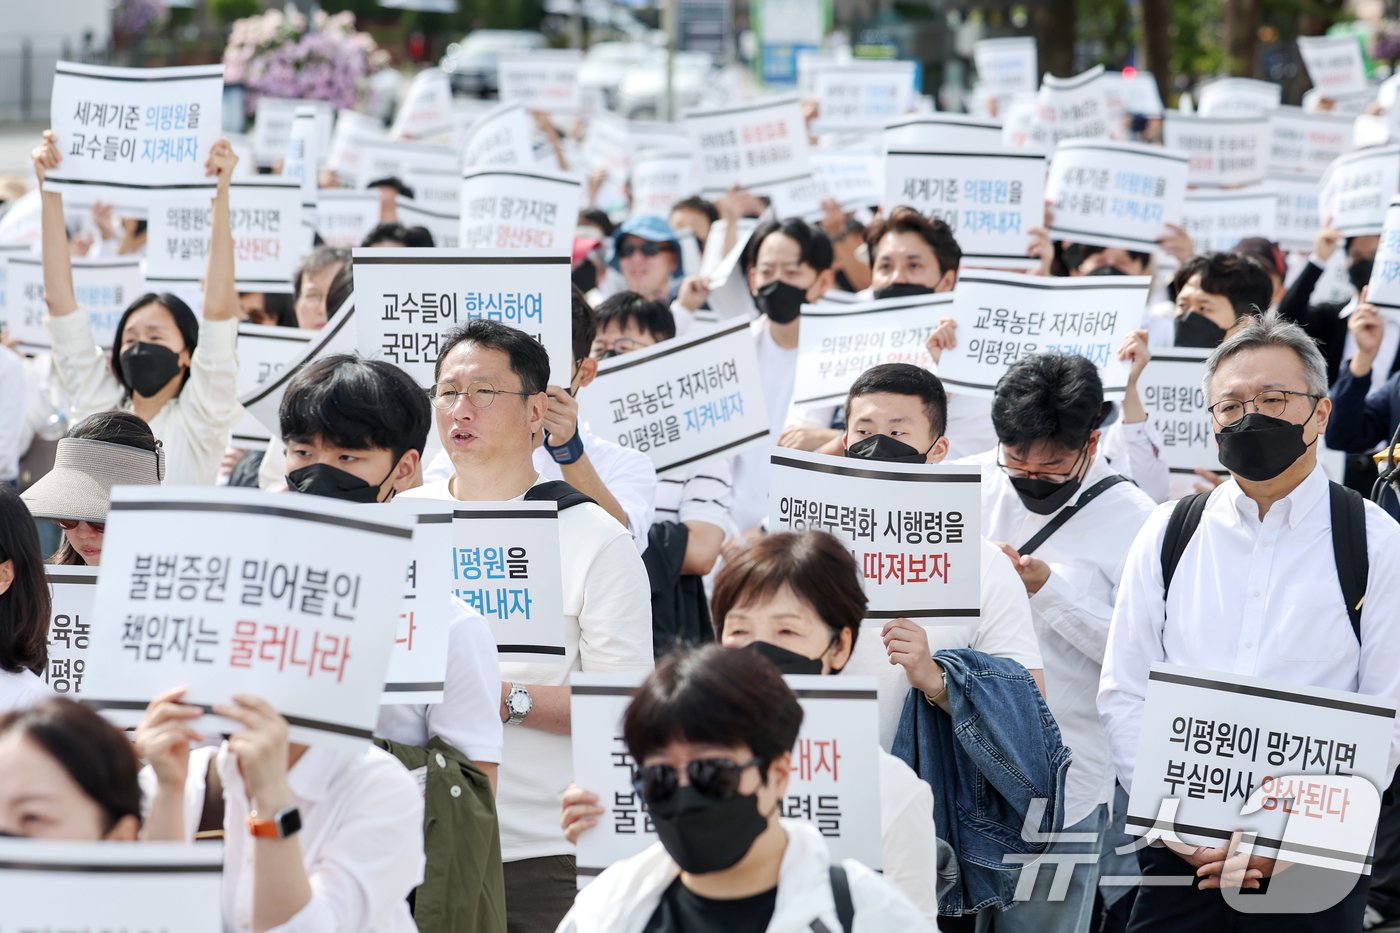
(322, 257)
(1272, 329)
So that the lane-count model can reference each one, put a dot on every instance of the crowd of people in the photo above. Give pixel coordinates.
(1001, 740)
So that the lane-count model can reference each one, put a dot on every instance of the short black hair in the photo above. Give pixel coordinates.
(1074, 255)
(697, 204)
(528, 358)
(585, 325)
(904, 379)
(1055, 397)
(813, 244)
(713, 696)
(654, 317)
(1242, 279)
(386, 233)
(357, 404)
(25, 606)
(281, 308)
(598, 218)
(419, 237)
(342, 287)
(185, 322)
(319, 258)
(905, 219)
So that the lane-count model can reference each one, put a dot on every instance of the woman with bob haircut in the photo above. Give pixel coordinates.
(24, 608)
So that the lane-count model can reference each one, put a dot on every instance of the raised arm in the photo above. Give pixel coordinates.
(220, 293)
(58, 263)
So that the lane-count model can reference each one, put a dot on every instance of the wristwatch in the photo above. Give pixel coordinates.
(285, 822)
(567, 452)
(518, 704)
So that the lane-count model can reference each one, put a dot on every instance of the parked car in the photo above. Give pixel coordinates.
(642, 93)
(470, 65)
(607, 63)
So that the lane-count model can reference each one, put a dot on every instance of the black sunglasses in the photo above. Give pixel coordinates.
(716, 778)
(647, 249)
(68, 524)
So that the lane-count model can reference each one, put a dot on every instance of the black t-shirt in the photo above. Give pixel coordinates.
(683, 911)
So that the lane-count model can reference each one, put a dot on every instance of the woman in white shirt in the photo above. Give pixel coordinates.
(24, 607)
(178, 374)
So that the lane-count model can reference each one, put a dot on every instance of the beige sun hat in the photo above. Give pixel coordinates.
(79, 487)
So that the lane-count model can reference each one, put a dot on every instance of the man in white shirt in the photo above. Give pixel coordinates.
(1253, 594)
(1066, 520)
(491, 404)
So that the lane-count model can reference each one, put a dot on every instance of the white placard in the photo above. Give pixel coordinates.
(1358, 187)
(1074, 108)
(1141, 95)
(835, 780)
(438, 190)
(408, 298)
(852, 176)
(799, 196)
(943, 132)
(991, 200)
(750, 145)
(859, 96)
(263, 353)
(684, 400)
(1239, 97)
(1335, 64)
(659, 180)
(1384, 289)
(72, 591)
(304, 154)
(501, 137)
(1305, 144)
(839, 342)
(343, 157)
(231, 591)
(265, 213)
(426, 110)
(125, 132)
(418, 665)
(338, 336)
(272, 126)
(1007, 66)
(1171, 391)
(384, 158)
(505, 565)
(344, 217)
(1297, 217)
(425, 6)
(103, 288)
(6, 252)
(509, 209)
(20, 221)
(1115, 194)
(104, 886)
(914, 529)
(1217, 220)
(544, 80)
(445, 226)
(1211, 740)
(1224, 151)
(1003, 317)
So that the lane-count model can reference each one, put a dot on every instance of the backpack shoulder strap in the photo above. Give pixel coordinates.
(558, 491)
(211, 814)
(1349, 549)
(841, 893)
(1065, 514)
(1185, 518)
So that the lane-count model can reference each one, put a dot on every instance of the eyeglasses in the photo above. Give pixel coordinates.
(446, 395)
(68, 524)
(602, 351)
(1272, 404)
(1015, 473)
(647, 249)
(716, 778)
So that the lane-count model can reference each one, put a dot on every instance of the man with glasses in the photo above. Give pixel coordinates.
(1253, 592)
(647, 253)
(491, 405)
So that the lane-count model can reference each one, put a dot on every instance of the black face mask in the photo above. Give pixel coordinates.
(705, 835)
(322, 479)
(902, 290)
(1195, 330)
(1044, 496)
(886, 448)
(149, 367)
(788, 662)
(585, 276)
(1259, 448)
(780, 301)
(1359, 271)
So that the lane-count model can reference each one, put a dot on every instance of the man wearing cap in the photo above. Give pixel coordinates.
(647, 253)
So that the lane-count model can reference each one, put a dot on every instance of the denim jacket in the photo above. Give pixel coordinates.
(999, 751)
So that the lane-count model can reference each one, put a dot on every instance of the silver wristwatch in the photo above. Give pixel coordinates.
(518, 704)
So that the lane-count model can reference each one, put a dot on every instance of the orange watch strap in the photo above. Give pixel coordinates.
(260, 828)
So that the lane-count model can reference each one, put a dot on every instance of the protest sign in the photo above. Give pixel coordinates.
(444, 226)
(1141, 95)
(1296, 216)
(544, 80)
(352, 128)
(384, 158)
(272, 126)
(1335, 64)
(126, 132)
(834, 783)
(1370, 129)
(1224, 151)
(1171, 391)
(1211, 740)
(799, 196)
(509, 209)
(991, 200)
(943, 132)
(1305, 144)
(344, 216)
(684, 400)
(749, 144)
(659, 180)
(1217, 220)
(1385, 274)
(266, 216)
(1357, 188)
(1238, 97)
(1003, 317)
(263, 352)
(1115, 194)
(72, 590)
(852, 176)
(435, 189)
(338, 336)
(425, 6)
(1020, 125)
(68, 885)
(426, 110)
(914, 529)
(408, 298)
(839, 342)
(418, 664)
(858, 96)
(241, 591)
(500, 137)
(1006, 66)
(103, 288)
(304, 156)
(505, 565)
(20, 223)
(1073, 108)
(15, 249)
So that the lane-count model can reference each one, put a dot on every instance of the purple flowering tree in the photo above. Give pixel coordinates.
(280, 54)
(135, 17)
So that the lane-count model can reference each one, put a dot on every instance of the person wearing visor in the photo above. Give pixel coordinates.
(105, 450)
(712, 731)
(647, 253)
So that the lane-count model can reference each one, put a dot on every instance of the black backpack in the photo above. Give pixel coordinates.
(841, 893)
(558, 491)
(1348, 544)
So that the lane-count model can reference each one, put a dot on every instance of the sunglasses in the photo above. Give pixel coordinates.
(716, 778)
(68, 524)
(647, 249)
